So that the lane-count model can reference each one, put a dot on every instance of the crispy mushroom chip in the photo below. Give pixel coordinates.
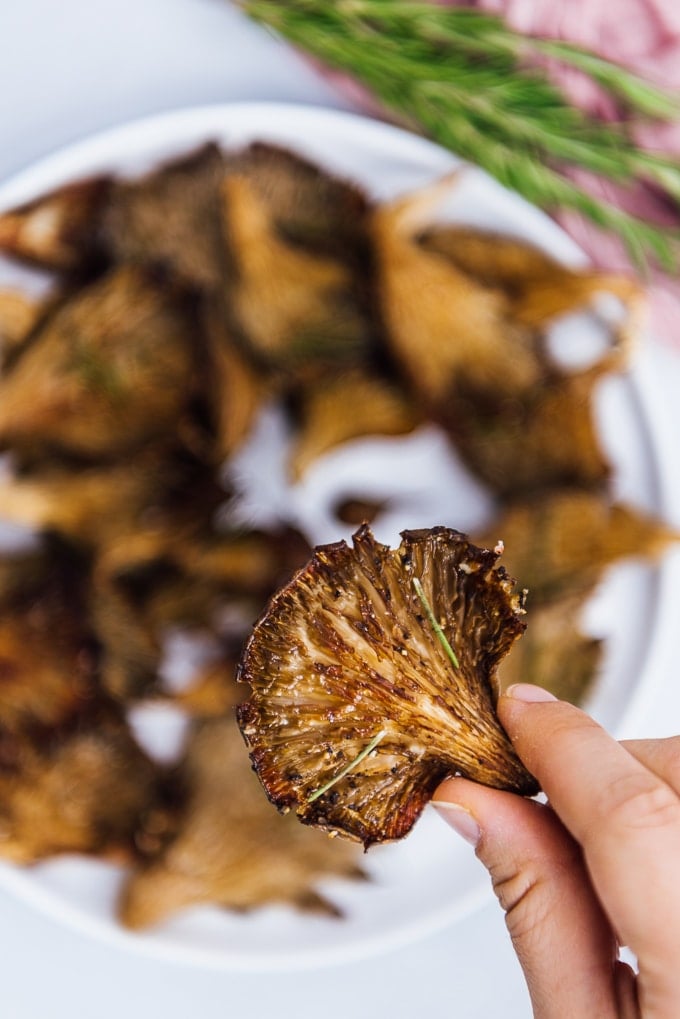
(373, 676)
(230, 848)
(111, 368)
(57, 230)
(86, 792)
(561, 543)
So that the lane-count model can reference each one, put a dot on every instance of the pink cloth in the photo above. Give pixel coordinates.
(643, 35)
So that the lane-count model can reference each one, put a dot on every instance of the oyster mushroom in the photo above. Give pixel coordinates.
(48, 667)
(545, 439)
(57, 230)
(444, 328)
(309, 206)
(562, 542)
(112, 367)
(230, 849)
(290, 306)
(85, 792)
(345, 406)
(19, 312)
(169, 219)
(537, 286)
(357, 709)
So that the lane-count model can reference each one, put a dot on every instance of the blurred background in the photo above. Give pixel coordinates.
(68, 70)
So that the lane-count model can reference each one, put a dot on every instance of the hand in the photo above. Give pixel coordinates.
(595, 869)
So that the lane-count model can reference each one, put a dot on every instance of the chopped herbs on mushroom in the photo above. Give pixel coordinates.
(357, 709)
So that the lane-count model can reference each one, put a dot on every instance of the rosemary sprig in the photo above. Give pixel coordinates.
(436, 626)
(348, 767)
(474, 85)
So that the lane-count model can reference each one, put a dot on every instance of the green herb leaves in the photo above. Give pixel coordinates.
(479, 88)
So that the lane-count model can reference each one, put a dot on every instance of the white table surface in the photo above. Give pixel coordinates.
(69, 68)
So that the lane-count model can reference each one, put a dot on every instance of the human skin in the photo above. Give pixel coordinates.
(592, 870)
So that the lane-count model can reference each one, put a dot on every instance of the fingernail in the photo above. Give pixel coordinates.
(529, 693)
(460, 819)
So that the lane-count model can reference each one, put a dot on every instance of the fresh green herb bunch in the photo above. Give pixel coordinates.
(477, 87)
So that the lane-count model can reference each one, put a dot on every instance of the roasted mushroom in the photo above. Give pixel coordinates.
(248, 562)
(126, 515)
(170, 220)
(373, 676)
(231, 849)
(154, 581)
(84, 789)
(235, 387)
(470, 335)
(18, 315)
(345, 406)
(48, 659)
(290, 306)
(540, 440)
(444, 329)
(561, 543)
(309, 205)
(538, 287)
(58, 230)
(111, 368)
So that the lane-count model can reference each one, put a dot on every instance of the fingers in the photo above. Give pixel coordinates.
(627, 820)
(562, 938)
(662, 756)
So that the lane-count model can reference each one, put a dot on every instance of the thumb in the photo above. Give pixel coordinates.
(563, 940)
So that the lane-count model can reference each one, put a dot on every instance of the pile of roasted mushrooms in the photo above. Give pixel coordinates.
(180, 304)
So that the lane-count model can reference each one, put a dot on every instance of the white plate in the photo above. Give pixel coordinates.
(429, 879)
